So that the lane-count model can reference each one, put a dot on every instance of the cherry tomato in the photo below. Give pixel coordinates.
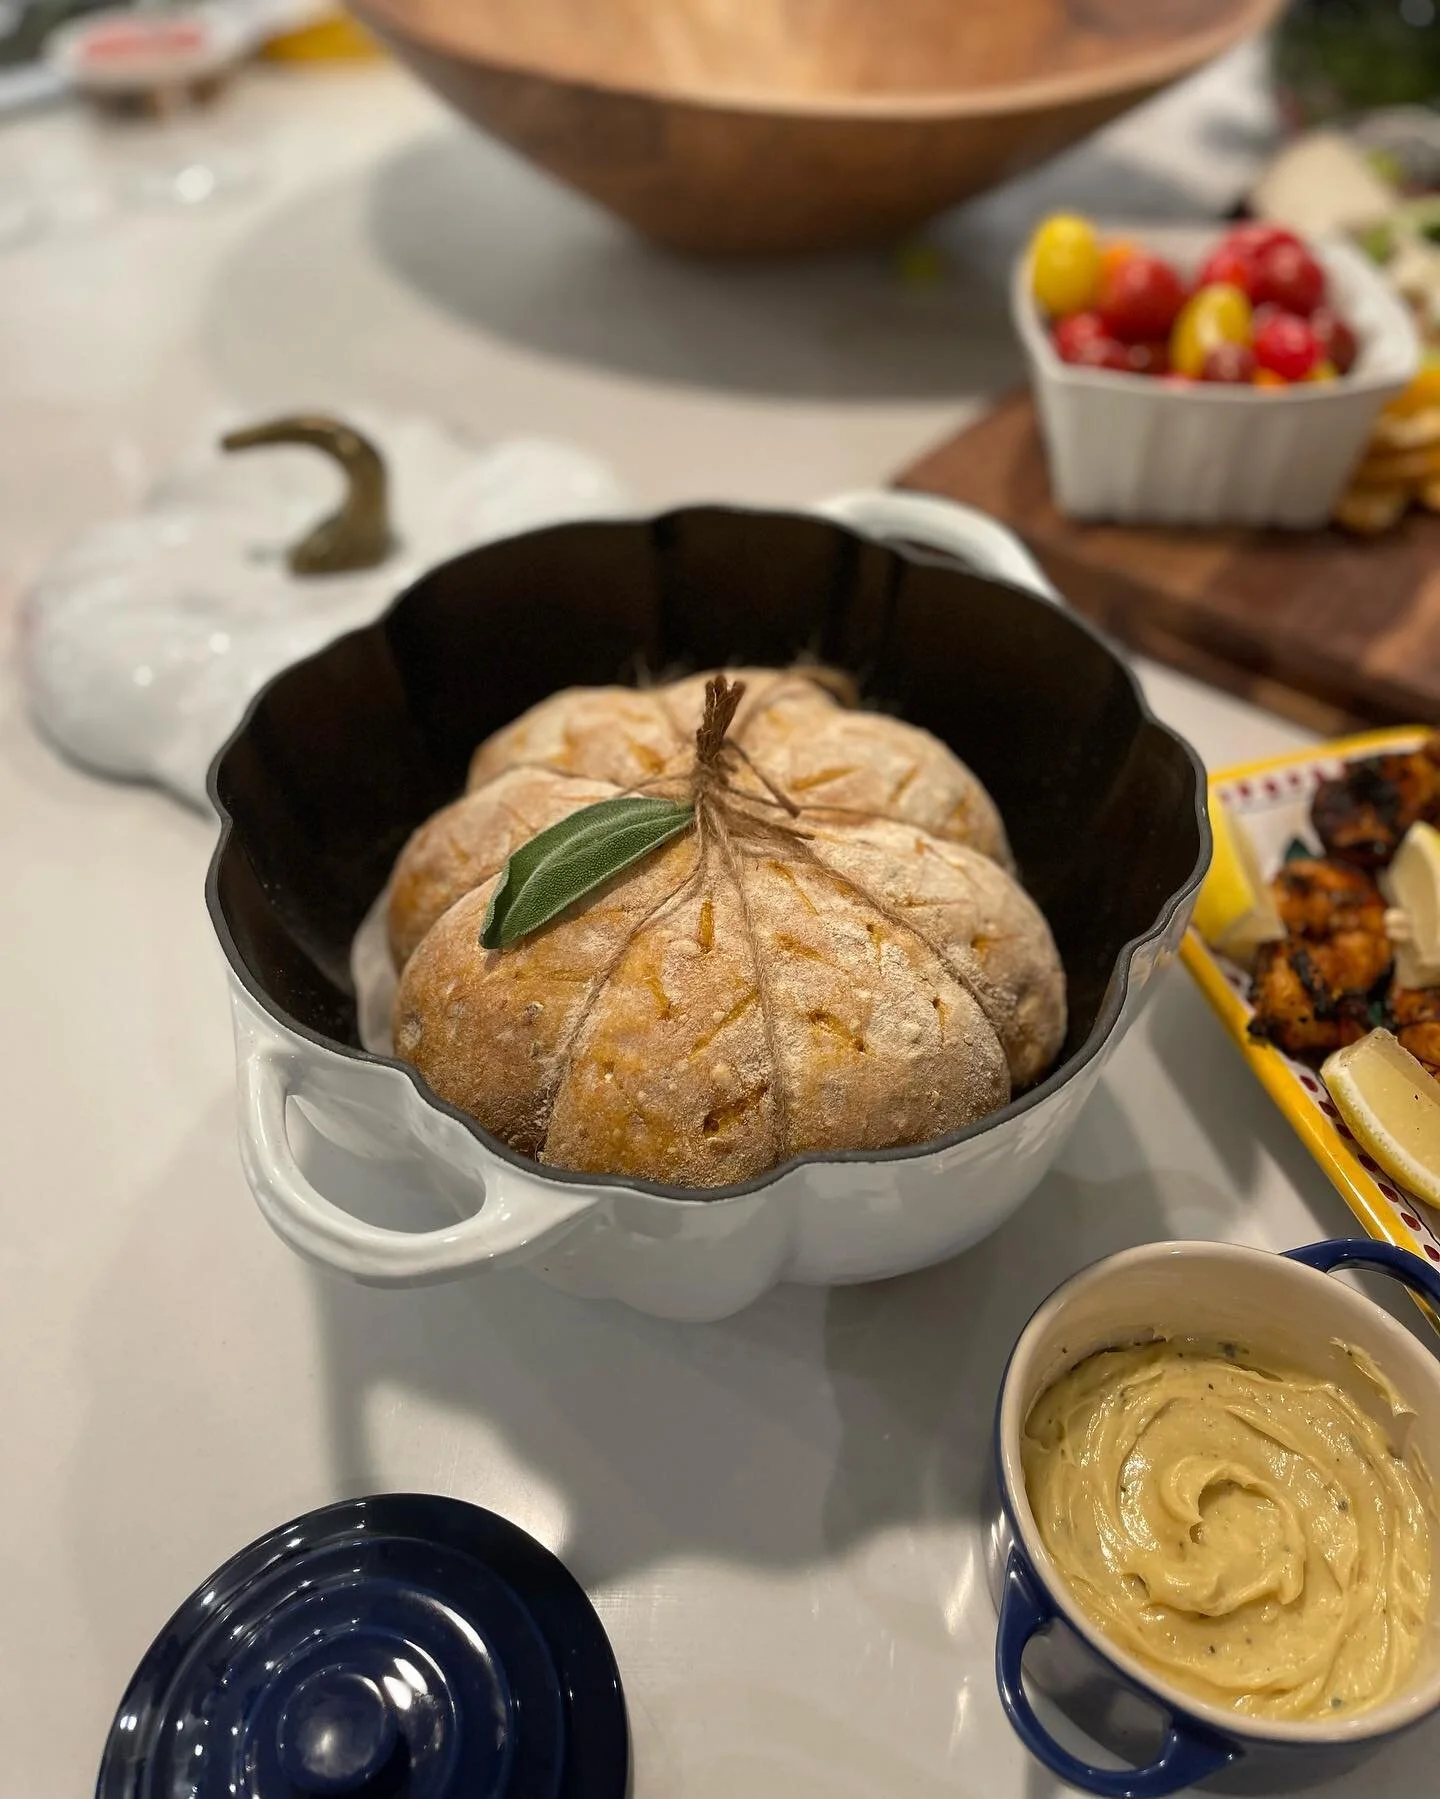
(1228, 265)
(1338, 343)
(1114, 253)
(1219, 314)
(1287, 346)
(1139, 299)
(1323, 371)
(1102, 353)
(1287, 275)
(1072, 334)
(1229, 363)
(1064, 264)
(1235, 259)
(1148, 359)
(1254, 237)
(1268, 378)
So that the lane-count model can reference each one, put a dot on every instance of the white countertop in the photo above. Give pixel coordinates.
(775, 1515)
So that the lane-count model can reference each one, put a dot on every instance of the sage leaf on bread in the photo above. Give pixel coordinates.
(570, 859)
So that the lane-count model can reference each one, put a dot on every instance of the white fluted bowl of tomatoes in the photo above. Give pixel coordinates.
(1189, 376)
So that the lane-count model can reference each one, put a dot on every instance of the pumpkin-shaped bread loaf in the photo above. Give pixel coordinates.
(832, 953)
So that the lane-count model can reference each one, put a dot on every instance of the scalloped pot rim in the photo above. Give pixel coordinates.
(1111, 1009)
(1142, 72)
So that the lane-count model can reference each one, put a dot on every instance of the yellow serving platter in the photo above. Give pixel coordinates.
(1271, 801)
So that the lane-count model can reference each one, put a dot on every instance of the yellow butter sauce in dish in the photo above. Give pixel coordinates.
(1248, 1533)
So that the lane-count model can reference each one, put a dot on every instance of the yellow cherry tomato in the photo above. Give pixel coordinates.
(1064, 264)
(1323, 371)
(1217, 314)
(1268, 378)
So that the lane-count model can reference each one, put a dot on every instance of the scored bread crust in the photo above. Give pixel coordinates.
(714, 1010)
(824, 754)
(469, 841)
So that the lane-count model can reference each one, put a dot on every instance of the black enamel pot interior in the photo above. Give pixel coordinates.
(339, 758)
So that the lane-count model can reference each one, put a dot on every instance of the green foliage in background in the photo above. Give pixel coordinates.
(1334, 57)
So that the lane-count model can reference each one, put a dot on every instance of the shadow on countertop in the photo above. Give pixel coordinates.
(781, 1436)
(511, 253)
(796, 1434)
(449, 229)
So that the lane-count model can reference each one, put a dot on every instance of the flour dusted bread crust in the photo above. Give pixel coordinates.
(795, 725)
(853, 968)
(468, 842)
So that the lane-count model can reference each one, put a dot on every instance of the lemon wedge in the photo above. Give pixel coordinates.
(1412, 886)
(1393, 1107)
(1235, 912)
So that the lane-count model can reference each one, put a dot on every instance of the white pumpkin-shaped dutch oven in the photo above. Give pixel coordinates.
(342, 756)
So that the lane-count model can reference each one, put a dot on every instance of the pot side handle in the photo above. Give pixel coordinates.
(518, 1218)
(1379, 1258)
(1188, 1754)
(970, 536)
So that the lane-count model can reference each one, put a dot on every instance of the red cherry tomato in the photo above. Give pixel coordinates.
(1287, 275)
(1139, 298)
(1235, 259)
(1102, 353)
(1227, 265)
(1071, 335)
(1229, 363)
(1338, 343)
(1287, 346)
(1254, 237)
(1148, 359)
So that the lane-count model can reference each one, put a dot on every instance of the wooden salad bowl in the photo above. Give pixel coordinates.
(763, 127)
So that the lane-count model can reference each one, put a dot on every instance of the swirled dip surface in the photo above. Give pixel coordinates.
(1245, 1532)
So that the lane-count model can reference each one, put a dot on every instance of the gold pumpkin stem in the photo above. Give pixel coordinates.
(357, 534)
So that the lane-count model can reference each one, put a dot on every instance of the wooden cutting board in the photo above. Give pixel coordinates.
(1330, 630)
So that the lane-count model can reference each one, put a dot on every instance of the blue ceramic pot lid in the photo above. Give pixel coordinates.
(399, 1647)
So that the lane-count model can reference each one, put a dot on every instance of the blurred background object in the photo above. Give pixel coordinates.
(150, 76)
(164, 64)
(280, 30)
(26, 24)
(332, 36)
(26, 78)
(740, 130)
(1335, 58)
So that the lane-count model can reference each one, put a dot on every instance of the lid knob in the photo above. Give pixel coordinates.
(403, 1643)
(336, 1733)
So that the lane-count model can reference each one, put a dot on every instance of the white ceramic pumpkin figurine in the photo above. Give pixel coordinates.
(818, 943)
(144, 640)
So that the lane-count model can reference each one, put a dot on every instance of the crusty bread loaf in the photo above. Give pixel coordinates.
(865, 974)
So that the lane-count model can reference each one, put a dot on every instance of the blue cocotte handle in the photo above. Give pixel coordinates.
(1189, 1753)
(1379, 1258)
